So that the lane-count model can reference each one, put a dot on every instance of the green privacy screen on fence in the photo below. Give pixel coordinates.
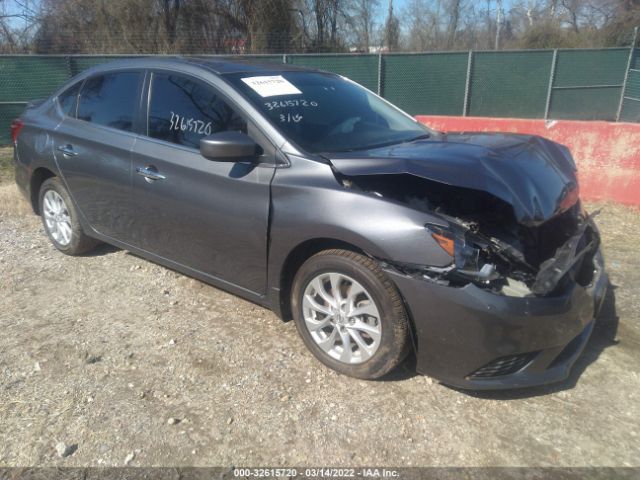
(423, 83)
(25, 78)
(631, 105)
(510, 84)
(359, 68)
(559, 84)
(7, 114)
(588, 84)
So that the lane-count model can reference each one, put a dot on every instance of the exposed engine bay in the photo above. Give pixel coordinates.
(488, 246)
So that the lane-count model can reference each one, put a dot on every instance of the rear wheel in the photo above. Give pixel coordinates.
(60, 219)
(349, 314)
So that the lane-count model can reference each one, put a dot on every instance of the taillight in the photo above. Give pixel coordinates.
(16, 126)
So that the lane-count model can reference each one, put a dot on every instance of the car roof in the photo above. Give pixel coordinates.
(216, 65)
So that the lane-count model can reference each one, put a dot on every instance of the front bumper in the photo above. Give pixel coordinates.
(471, 338)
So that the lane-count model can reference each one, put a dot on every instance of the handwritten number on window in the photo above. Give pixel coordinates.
(289, 103)
(288, 118)
(180, 123)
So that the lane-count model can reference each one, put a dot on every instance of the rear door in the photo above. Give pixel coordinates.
(92, 147)
(209, 216)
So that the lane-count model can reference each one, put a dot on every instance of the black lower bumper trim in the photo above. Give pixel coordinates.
(458, 331)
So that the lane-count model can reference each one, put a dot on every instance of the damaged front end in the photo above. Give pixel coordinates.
(506, 208)
(502, 276)
(488, 246)
(522, 265)
(511, 218)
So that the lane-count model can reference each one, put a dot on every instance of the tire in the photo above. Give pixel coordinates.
(378, 350)
(65, 233)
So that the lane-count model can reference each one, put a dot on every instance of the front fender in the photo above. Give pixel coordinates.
(309, 203)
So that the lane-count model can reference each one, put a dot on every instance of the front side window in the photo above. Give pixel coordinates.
(69, 99)
(183, 110)
(110, 100)
(326, 113)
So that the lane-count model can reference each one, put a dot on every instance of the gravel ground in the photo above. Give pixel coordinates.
(108, 360)
(6, 164)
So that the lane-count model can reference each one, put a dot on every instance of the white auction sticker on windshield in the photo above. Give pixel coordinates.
(271, 86)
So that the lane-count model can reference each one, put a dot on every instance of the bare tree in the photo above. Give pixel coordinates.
(280, 26)
(170, 10)
(17, 25)
(392, 29)
(327, 17)
(421, 22)
(572, 11)
(362, 18)
(454, 19)
(499, 16)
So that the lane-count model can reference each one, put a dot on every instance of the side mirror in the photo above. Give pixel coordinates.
(229, 147)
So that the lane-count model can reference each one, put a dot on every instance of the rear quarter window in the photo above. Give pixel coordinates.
(68, 100)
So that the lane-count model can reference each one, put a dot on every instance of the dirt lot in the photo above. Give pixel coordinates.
(126, 361)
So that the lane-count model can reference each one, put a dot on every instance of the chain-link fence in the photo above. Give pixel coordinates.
(630, 103)
(589, 84)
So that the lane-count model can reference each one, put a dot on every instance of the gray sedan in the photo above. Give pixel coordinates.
(306, 193)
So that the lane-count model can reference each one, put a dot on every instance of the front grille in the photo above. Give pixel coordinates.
(504, 366)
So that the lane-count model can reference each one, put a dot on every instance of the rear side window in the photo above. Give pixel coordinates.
(183, 110)
(110, 100)
(69, 99)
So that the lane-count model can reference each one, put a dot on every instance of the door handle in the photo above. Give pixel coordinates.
(67, 150)
(149, 173)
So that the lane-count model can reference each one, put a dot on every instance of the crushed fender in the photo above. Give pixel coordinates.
(492, 249)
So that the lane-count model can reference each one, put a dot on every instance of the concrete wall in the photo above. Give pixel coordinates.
(607, 154)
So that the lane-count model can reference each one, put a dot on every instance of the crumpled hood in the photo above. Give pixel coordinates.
(534, 175)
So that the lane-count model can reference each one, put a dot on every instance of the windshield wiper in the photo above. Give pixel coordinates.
(380, 145)
(424, 136)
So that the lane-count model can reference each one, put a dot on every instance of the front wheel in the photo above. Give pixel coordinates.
(349, 314)
(60, 219)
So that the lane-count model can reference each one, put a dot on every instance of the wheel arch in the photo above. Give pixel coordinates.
(305, 250)
(38, 177)
(294, 260)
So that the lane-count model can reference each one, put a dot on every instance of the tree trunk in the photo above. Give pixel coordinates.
(453, 23)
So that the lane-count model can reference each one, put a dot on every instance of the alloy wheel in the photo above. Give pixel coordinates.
(57, 218)
(342, 317)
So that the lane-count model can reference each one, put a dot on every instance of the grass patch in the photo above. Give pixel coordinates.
(6, 164)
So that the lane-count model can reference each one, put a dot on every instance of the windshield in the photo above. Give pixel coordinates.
(326, 113)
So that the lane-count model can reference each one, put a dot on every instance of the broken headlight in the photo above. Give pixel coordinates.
(465, 252)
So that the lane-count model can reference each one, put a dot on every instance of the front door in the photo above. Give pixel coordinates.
(209, 216)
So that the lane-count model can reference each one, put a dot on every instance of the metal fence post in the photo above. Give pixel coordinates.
(69, 67)
(626, 74)
(552, 76)
(467, 85)
(380, 73)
